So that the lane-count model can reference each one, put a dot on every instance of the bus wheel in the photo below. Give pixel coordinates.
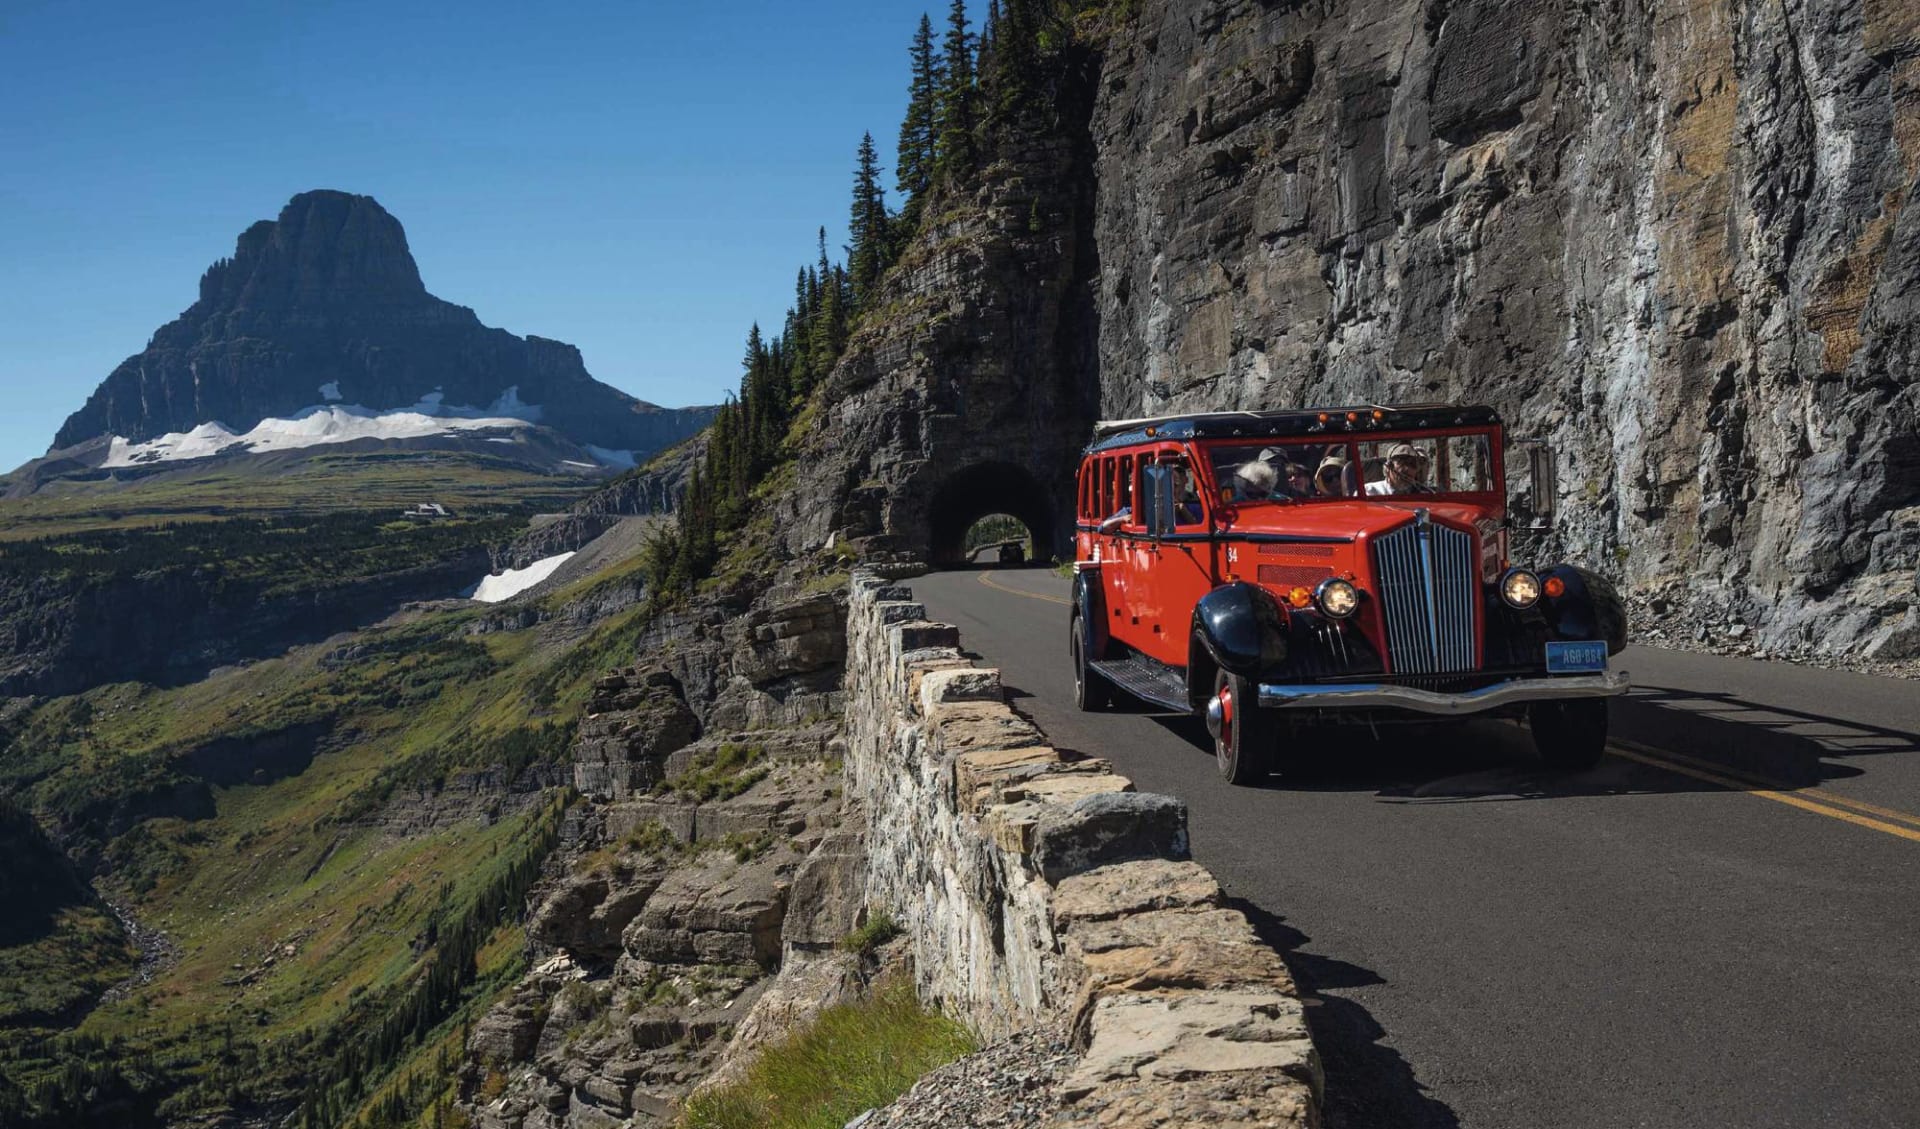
(1090, 691)
(1244, 734)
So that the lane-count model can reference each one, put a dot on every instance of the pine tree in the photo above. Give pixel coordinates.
(919, 138)
(1011, 73)
(959, 110)
(867, 225)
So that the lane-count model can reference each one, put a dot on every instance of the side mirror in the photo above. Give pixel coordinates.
(1160, 481)
(1531, 496)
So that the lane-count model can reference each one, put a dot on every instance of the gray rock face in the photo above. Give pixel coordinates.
(1671, 237)
(634, 721)
(328, 295)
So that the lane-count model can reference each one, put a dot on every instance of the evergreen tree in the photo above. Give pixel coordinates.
(959, 95)
(1011, 74)
(919, 138)
(868, 226)
(830, 318)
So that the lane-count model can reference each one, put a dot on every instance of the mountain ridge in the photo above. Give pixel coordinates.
(325, 305)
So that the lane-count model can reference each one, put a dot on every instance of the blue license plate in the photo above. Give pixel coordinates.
(1576, 658)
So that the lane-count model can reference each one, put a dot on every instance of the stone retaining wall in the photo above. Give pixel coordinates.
(1038, 888)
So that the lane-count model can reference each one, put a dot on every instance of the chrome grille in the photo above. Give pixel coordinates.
(1426, 576)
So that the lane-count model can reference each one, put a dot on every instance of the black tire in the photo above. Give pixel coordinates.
(1244, 749)
(1091, 692)
(1569, 734)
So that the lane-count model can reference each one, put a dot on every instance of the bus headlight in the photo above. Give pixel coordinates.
(1336, 598)
(1520, 589)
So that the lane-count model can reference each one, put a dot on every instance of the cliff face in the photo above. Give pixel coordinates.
(1672, 237)
(325, 304)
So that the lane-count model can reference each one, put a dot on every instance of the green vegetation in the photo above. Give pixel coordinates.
(721, 775)
(59, 947)
(996, 528)
(878, 930)
(276, 555)
(329, 946)
(384, 481)
(855, 1057)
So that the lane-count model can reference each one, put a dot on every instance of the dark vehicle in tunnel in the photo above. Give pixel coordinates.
(1273, 569)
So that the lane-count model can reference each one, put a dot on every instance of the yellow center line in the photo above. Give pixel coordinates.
(1818, 795)
(987, 579)
(1777, 796)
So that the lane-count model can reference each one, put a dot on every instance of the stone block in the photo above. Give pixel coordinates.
(965, 726)
(1068, 787)
(1010, 826)
(1133, 887)
(1194, 962)
(1108, 828)
(976, 774)
(958, 684)
(921, 635)
(1182, 1037)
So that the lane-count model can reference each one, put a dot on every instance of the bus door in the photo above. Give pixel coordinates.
(1169, 565)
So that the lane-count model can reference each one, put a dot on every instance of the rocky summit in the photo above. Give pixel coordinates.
(322, 311)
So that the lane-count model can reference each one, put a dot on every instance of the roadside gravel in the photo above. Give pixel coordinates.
(1009, 1085)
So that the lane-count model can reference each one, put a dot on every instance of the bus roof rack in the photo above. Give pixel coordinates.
(1298, 422)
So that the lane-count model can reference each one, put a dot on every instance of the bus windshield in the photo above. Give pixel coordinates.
(1289, 471)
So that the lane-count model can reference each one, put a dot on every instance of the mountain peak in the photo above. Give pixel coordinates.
(324, 306)
(328, 248)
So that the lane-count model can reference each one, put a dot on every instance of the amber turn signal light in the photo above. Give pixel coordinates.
(1299, 597)
(1555, 587)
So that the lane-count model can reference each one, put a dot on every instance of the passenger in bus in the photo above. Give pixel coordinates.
(1329, 479)
(1299, 481)
(1405, 472)
(1254, 481)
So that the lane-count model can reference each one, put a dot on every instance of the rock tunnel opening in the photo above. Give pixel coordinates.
(983, 490)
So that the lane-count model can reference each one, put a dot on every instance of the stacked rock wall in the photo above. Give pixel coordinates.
(1038, 888)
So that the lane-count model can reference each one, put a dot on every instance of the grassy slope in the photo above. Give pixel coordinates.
(301, 908)
(317, 484)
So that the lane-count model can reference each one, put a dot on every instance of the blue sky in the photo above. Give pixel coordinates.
(640, 179)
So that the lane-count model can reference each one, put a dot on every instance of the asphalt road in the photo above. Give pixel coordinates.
(1718, 926)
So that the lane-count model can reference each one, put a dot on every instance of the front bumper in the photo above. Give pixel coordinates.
(1379, 695)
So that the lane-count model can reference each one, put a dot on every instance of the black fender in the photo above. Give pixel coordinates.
(1589, 609)
(1090, 601)
(1242, 628)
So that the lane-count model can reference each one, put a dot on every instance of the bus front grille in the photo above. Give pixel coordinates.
(1427, 578)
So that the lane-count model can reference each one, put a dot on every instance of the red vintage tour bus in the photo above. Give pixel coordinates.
(1337, 565)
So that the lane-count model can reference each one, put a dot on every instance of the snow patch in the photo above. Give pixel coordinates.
(510, 404)
(620, 460)
(508, 584)
(330, 392)
(322, 424)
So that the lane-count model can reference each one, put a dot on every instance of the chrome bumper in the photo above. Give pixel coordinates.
(1365, 695)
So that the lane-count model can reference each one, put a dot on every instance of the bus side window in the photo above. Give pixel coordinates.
(1125, 500)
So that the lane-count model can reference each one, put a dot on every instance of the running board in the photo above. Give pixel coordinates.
(1152, 682)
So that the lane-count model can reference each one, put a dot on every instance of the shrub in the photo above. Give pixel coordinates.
(855, 1057)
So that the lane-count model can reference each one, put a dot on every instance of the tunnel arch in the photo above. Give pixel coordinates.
(982, 489)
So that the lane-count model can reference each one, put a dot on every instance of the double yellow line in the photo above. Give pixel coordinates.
(1900, 824)
(1888, 821)
(987, 579)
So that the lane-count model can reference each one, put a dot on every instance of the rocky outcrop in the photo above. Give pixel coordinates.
(1673, 237)
(663, 942)
(1039, 890)
(970, 389)
(325, 304)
